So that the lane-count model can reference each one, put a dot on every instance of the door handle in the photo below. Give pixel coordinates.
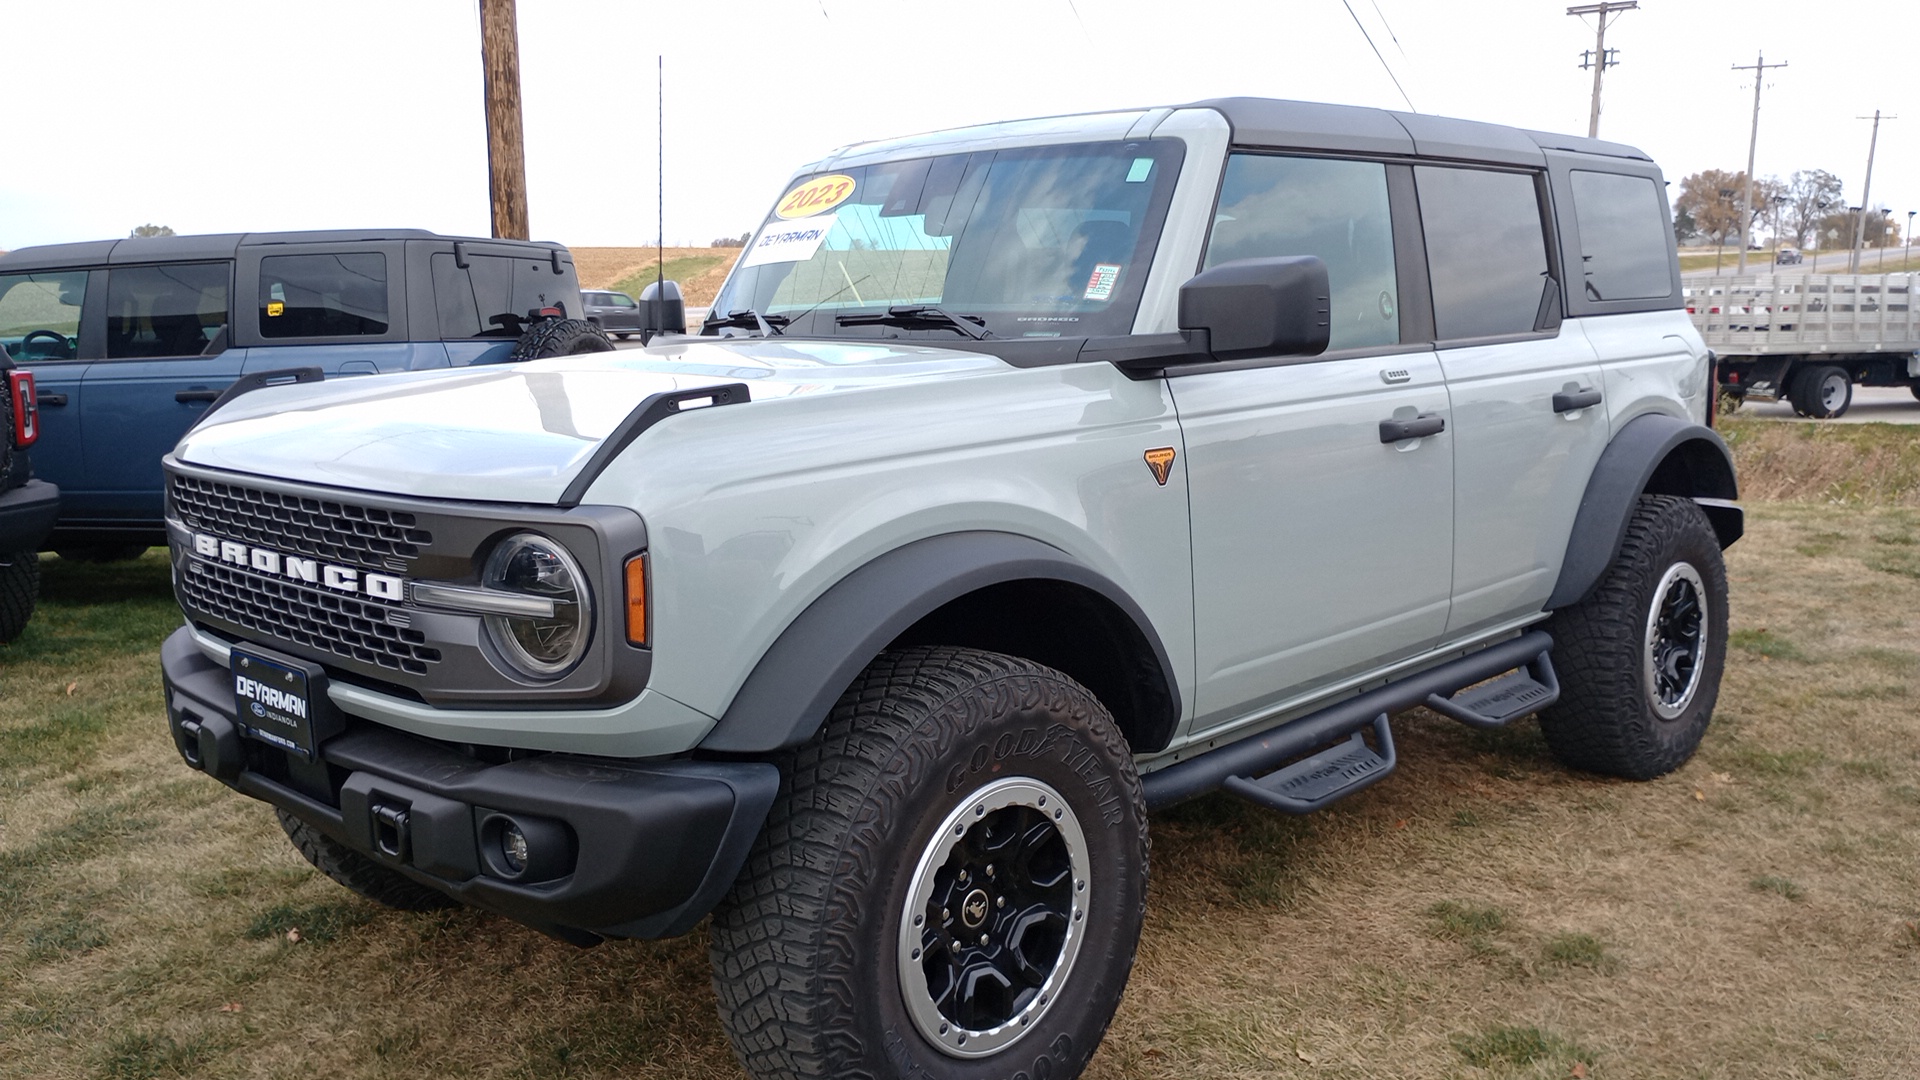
(1585, 398)
(50, 399)
(197, 395)
(1392, 431)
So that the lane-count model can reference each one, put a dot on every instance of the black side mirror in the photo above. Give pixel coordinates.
(662, 311)
(1260, 307)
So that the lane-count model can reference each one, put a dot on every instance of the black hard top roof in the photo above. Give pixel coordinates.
(1356, 129)
(143, 249)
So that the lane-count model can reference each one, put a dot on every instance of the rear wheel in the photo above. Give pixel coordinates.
(1823, 393)
(386, 887)
(100, 553)
(1639, 659)
(951, 883)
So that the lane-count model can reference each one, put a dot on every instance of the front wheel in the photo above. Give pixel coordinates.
(951, 883)
(19, 590)
(1640, 657)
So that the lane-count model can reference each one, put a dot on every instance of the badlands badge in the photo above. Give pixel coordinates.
(1160, 460)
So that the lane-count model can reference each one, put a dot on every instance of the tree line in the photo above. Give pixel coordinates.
(1807, 210)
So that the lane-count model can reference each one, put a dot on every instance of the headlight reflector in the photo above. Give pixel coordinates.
(532, 565)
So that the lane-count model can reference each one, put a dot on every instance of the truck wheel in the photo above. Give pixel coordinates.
(560, 337)
(1914, 389)
(1823, 393)
(19, 588)
(359, 873)
(950, 884)
(1639, 659)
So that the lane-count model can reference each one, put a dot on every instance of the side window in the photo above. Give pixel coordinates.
(453, 296)
(1486, 250)
(40, 314)
(341, 295)
(621, 300)
(1623, 236)
(177, 309)
(1337, 210)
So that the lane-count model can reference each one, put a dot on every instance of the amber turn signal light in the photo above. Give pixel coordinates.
(637, 600)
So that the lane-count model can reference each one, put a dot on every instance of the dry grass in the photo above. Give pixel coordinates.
(1826, 463)
(1483, 914)
(699, 270)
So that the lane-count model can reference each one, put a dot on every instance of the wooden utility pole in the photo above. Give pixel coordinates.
(506, 157)
(1866, 193)
(1759, 69)
(1600, 60)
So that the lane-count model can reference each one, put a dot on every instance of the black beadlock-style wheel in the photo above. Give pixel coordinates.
(19, 590)
(1640, 658)
(951, 883)
(359, 873)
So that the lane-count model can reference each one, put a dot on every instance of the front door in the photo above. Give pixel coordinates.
(1322, 545)
(41, 328)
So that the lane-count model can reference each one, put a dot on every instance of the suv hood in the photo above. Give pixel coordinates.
(521, 432)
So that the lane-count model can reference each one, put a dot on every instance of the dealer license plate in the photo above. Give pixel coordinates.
(282, 701)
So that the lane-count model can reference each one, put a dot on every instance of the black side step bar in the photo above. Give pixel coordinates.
(1334, 773)
(1505, 699)
(1259, 754)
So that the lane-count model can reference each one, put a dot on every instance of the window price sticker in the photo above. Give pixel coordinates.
(795, 242)
(1100, 284)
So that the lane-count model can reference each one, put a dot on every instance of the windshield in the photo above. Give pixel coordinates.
(1046, 241)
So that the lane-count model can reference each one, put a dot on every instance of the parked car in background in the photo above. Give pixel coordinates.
(615, 312)
(1787, 256)
(27, 506)
(131, 340)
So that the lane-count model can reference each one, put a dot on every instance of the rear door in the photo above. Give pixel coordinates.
(1318, 549)
(1530, 416)
(165, 360)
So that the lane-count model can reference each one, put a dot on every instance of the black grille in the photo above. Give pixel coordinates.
(338, 532)
(342, 625)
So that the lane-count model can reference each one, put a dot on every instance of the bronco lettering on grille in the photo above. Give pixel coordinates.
(309, 571)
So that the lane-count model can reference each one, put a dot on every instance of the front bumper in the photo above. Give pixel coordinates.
(27, 514)
(635, 849)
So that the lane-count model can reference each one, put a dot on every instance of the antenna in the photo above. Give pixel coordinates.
(660, 160)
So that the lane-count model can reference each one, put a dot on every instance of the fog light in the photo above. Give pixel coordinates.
(513, 848)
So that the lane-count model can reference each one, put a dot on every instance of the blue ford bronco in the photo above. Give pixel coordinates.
(133, 340)
(1021, 478)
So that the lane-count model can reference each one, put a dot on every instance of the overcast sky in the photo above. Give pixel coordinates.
(241, 115)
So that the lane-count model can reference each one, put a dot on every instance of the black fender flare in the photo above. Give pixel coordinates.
(1651, 454)
(795, 684)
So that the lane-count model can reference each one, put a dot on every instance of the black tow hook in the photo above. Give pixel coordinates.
(390, 831)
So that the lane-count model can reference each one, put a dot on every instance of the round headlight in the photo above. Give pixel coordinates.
(531, 565)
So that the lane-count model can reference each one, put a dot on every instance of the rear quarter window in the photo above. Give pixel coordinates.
(341, 295)
(1623, 236)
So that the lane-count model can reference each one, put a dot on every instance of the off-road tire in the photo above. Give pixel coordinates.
(359, 873)
(560, 337)
(1605, 720)
(807, 949)
(1807, 399)
(19, 588)
(1914, 389)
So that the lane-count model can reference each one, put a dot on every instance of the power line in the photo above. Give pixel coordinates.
(1389, 26)
(1076, 18)
(1382, 59)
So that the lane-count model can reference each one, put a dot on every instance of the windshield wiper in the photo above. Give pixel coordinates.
(921, 317)
(748, 319)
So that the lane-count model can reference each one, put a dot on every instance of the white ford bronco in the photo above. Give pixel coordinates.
(1023, 478)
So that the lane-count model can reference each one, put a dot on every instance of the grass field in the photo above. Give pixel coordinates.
(1482, 914)
(700, 271)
